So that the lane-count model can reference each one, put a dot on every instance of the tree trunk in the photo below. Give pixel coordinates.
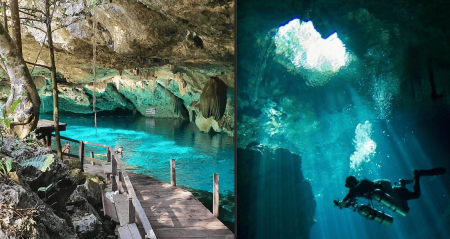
(5, 17)
(26, 114)
(15, 23)
(53, 70)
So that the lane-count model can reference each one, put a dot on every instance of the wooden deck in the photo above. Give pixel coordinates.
(49, 126)
(45, 128)
(172, 212)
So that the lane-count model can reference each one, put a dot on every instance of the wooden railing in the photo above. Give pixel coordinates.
(119, 178)
(173, 182)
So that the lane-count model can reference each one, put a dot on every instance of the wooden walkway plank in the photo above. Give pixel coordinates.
(172, 212)
(124, 232)
(175, 212)
(121, 204)
(134, 230)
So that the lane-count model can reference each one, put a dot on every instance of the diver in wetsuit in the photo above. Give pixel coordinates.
(364, 188)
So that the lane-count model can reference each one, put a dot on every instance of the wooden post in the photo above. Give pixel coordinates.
(92, 156)
(114, 166)
(113, 183)
(120, 182)
(173, 178)
(108, 154)
(131, 211)
(120, 176)
(216, 195)
(81, 154)
(49, 139)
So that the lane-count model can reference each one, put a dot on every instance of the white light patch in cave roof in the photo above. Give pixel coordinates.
(304, 47)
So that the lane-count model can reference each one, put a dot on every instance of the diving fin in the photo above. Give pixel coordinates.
(430, 172)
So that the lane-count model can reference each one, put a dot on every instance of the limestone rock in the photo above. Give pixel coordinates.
(87, 226)
(48, 225)
(91, 190)
(78, 176)
(208, 124)
(58, 175)
(276, 167)
(150, 54)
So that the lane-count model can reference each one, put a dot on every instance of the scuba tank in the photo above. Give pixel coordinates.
(390, 202)
(373, 214)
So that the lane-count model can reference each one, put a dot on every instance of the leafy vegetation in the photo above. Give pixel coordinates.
(6, 166)
(41, 162)
(5, 121)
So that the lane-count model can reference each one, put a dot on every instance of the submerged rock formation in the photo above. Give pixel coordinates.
(274, 199)
(150, 55)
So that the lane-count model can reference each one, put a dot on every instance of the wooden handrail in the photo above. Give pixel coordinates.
(138, 210)
(117, 164)
(101, 145)
(68, 139)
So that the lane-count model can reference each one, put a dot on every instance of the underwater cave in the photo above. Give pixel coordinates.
(351, 88)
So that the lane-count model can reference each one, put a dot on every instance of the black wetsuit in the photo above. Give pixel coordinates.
(365, 187)
(360, 190)
(405, 194)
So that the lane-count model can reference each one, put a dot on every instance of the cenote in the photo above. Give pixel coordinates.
(308, 118)
(150, 143)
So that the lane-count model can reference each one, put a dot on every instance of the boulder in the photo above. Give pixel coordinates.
(87, 226)
(58, 175)
(91, 190)
(44, 224)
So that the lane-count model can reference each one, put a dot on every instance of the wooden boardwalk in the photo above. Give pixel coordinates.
(172, 212)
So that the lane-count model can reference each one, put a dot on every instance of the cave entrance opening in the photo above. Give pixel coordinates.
(300, 46)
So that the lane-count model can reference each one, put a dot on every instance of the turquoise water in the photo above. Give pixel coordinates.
(150, 143)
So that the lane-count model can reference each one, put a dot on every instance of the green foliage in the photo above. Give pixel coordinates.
(5, 121)
(41, 162)
(14, 105)
(31, 140)
(6, 166)
(45, 189)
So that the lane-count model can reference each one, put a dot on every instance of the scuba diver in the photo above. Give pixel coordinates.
(394, 198)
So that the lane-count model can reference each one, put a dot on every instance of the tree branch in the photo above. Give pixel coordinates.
(32, 9)
(30, 19)
(48, 67)
(38, 29)
(28, 14)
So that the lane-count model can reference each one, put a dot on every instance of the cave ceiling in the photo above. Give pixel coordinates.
(132, 35)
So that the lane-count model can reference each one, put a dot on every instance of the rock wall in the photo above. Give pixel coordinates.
(150, 54)
(274, 199)
(69, 209)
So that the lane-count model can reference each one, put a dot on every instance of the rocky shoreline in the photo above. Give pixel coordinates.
(60, 202)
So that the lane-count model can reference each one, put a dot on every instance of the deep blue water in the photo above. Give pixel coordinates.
(368, 119)
(150, 143)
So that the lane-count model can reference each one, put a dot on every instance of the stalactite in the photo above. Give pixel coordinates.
(213, 99)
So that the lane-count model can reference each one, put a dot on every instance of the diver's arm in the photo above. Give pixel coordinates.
(347, 201)
(349, 197)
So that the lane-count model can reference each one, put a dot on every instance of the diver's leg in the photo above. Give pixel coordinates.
(430, 172)
(416, 187)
